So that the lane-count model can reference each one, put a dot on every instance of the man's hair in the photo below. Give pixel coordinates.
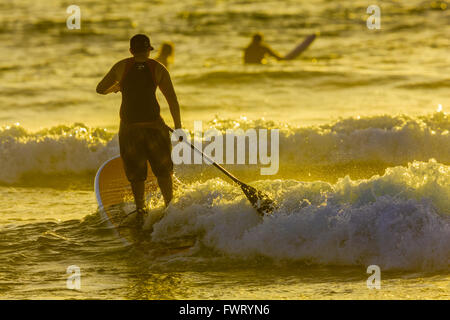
(140, 43)
(257, 37)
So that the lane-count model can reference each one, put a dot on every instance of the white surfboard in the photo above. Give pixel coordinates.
(115, 198)
(300, 48)
(115, 202)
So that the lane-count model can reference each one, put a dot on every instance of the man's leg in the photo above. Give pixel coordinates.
(166, 186)
(138, 188)
(135, 166)
(159, 157)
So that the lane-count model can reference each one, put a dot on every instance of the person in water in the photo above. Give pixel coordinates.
(143, 135)
(257, 50)
(165, 55)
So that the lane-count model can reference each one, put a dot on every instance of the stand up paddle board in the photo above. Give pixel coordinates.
(300, 48)
(115, 198)
(116, 205)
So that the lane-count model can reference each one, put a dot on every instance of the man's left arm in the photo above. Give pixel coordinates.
(272, 53)
(109, 83)
(166, 87)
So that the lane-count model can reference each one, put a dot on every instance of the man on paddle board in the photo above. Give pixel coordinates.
(143, 135)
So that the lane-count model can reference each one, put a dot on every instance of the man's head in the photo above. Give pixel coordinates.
(167, 49)
(140, 45)
(257, 38)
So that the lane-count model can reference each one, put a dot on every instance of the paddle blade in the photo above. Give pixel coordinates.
(259, 200)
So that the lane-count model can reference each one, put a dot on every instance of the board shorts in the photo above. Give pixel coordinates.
(139, 144)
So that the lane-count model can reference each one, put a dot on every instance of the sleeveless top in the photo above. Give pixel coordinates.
(138, 86)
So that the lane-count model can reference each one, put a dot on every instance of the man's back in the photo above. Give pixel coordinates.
(112, 83)
(255, 53)
(138, 86)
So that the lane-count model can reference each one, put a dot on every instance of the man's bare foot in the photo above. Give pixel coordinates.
(140, 213)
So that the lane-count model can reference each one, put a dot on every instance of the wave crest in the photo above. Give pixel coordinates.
(389, 140)
(397, 221)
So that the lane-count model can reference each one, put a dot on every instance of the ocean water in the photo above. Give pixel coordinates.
(364, 176)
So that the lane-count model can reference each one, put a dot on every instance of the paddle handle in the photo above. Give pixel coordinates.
(215, 164)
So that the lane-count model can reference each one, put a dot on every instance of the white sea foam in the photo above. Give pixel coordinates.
(61, 149)
(398, 221)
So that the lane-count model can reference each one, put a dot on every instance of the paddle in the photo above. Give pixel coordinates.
(259, 200)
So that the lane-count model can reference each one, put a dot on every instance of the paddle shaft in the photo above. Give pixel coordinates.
(260, 201)
(215, 164)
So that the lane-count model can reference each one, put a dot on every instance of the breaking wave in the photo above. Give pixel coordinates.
(389, 140)
(398, 221)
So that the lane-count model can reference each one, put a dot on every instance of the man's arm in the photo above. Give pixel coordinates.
(166, 87)
(110, 83)
(272, 53)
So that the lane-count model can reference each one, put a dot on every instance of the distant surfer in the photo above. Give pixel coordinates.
(165, 55)
(257, 50)
(143, 135)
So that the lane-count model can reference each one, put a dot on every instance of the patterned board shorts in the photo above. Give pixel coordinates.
(141, 144)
